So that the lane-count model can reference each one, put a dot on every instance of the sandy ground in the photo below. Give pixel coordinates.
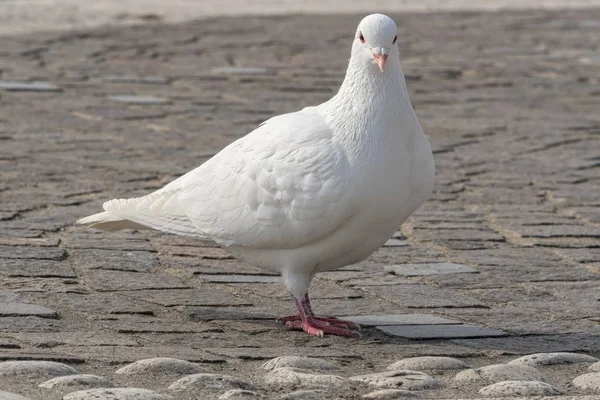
(22, 16)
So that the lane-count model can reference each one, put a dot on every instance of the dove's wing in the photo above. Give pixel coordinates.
(281, 186)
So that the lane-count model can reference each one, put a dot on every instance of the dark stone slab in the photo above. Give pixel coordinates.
(134, 261)
(439, 331)
(36, 268)
(422, 296)
(30, 252)
(400, 319)
(206, 296)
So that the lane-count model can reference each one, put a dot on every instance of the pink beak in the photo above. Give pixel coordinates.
(380, 54)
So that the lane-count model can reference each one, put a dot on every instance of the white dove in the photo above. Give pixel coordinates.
(308, 191)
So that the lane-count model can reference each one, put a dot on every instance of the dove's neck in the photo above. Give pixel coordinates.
(370, 107)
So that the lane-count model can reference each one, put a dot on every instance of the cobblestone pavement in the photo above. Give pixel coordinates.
(503, 261)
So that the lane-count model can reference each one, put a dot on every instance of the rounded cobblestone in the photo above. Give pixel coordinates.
(390, 394)
(590, 381)
(35, 369)
(307, 363)
(535, 360)
(12, 396)
(239, 394)
(199, 382)
(117, 394)
(428, 363)
(401, 379)
(288, 377)
(161, 365)
(595, 367)
(305, 395)
(519, 388)
(81, 381)
(499, 372)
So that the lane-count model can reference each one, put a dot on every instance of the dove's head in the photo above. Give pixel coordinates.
(375, 43)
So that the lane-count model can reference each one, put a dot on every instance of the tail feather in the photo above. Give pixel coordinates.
(109, 222)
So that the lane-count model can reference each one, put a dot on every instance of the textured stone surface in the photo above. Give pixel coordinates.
(141, 100)
(428, 363)
(209, 382)
(534, 360)
(34, 369)
(307, 363)
(12, 396)
(161, 365)
(440, 331)
(595, 367)
(519, 388)
(77, 381)
(390, 394)
(499, 372)
(430, 269)
(400, 379)
(304, 395)
(28, 86)
(239, 394)
(590, 381)
(117, 394)
(401, 319)
(288, 377)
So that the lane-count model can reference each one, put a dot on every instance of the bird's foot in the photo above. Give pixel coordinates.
(319, 328)
(333, 321)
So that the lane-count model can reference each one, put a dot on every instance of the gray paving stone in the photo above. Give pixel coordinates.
(422, 296)
(15, 86)
(30, 252)
(25, 310)
(265, 353)
(238, 278)
(589, 381)
(36, 268)
(242, 70)
(304, 395)
(139, 100)
(428, 363)
(430, 269)
(82, 381)
(534, 360)
(133, 261)
(161, 365)
(11, 396)
(440, 331)
(135, 79)
(395, 243)
(498, 373)
(196, 382)
(286, 377)
(116, 394)
(306, 363)
(400, 379)
(400, 319)
(34, 369)
(227, 313)
(391, 394)
(519, 388)
(114, 281)
(595, 367)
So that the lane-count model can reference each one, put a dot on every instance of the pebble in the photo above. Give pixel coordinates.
(519, 388)
(410, 380)
(81, 380)
(428, 363)
(296, 377)
(35, 369)
(595, 367)
(12, 396)
(161, 365)
(390, 394)
(239, 394)
(307, 363)
(210, 382)
(305, 395)
(589, 381)
(500, 372)
(116, 394)
(534, 360)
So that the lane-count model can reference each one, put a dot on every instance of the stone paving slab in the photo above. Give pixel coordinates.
(506, 246)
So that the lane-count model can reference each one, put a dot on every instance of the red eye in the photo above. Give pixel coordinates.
(395, 38)
(362, 38)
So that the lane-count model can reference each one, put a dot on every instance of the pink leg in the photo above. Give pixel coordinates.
(318, 326)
